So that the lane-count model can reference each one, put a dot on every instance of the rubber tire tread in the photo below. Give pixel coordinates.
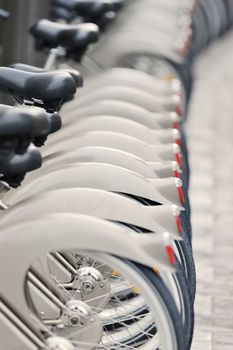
(186, 248)
(153, 279)
(188, 306)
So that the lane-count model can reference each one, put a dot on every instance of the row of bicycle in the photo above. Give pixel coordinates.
(95, 247)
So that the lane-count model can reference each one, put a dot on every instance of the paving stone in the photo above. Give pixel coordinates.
(200, 219)
(202, 343)
(223, 340)
(210, 137)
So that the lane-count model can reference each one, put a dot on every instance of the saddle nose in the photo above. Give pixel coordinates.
(15, 170)
(15, 121)
(71, 37)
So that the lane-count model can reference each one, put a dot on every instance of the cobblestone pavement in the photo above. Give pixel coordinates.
(210, 133)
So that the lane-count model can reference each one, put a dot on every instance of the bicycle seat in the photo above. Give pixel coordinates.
(23, 163)
(19, 126)
(89, 8)
(28, 68)
(71, 37)
(45, 86)
(16, 168)
(17, 121)
(55, 122)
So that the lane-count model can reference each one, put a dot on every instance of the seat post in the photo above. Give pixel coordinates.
(52, 59)
(17, 43)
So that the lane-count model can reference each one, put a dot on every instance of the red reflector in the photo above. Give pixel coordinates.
(178, 159)
(179, 110)
(170, 254)
(181, 195)
(178, 224)
(176, 173)
(178, 142)
(176, 125)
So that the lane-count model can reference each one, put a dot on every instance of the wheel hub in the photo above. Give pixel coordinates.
(92, 287)
(78, 322)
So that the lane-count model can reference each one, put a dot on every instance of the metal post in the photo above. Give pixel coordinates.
(18, 46)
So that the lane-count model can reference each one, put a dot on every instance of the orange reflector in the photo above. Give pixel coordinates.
(135, 290)
(169, 77)
(155, 270)
(115, 273)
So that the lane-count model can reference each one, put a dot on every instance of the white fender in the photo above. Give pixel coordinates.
(129, 94)
(98, 203)
(130, 77)
(99, 176)
(115, 140)
(118, 125)
(106, 155)
(121, 109)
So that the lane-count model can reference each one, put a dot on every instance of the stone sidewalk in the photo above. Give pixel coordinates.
(210, 134)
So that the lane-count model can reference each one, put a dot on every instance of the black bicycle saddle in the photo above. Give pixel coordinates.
(71, 37)
(19, 126)
(44, 86)
(28, 68)
(89, 8)
(17, 121)
(18, 165)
